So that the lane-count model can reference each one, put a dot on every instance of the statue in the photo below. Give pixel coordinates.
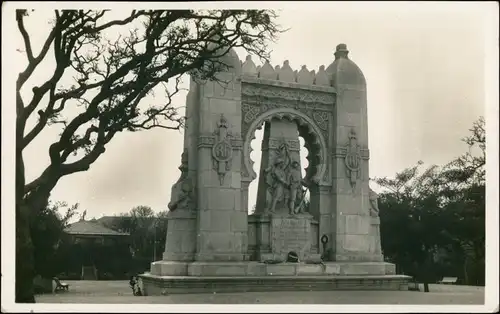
(277, 180)
(285, 182)
(276, 176)
(182, 189)
(295, 186)
(373, 203)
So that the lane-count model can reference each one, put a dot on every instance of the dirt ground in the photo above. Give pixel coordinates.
(101, 292)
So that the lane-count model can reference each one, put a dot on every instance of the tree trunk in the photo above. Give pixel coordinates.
(466, 275)
(26, 208)
(426, 286)
(426, 269)
(24, 257)
(24, 247)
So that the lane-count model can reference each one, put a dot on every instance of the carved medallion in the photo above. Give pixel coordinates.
(222, 150)
(353, 158)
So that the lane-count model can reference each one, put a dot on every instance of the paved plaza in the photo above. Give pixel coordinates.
(99, 292)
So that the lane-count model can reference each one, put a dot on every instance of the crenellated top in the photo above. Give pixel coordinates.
(285, 73)
(342, 71)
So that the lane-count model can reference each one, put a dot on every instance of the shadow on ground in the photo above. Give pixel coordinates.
(101, 292)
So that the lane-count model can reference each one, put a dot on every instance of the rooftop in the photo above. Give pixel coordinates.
(86, 227)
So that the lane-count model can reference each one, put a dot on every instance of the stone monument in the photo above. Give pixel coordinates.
(212, 243)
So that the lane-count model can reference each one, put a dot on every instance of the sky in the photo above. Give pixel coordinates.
(425, 72)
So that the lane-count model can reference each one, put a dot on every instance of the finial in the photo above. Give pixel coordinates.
(222, 122)
(341, 51)
(249, 58)
(321, 67)
(352, 133)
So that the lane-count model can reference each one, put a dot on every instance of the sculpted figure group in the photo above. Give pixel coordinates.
(182, 189)
(373, 203)
(285, 183)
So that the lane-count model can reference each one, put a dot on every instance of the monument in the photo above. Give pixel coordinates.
(213, 244)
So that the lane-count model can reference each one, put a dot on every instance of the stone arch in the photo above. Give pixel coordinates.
(308, 129)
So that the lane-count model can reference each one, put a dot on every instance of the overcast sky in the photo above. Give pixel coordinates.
(425, 78)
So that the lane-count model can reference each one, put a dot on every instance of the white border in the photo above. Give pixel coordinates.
(8, 128)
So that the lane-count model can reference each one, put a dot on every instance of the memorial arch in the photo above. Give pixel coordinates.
(210, 233)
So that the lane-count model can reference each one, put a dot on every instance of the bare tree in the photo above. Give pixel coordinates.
(112, 79)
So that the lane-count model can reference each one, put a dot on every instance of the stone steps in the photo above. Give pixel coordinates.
(219, 269)
(163, 285)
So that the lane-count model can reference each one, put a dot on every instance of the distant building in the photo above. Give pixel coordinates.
(86, 231)
(117, 223)
(127, 224)
(89, 234)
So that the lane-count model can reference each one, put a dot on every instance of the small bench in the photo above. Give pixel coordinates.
(60, 285)
(448, 280)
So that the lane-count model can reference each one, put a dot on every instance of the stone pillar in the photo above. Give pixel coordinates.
(276, 133)
(350, 160)
(262, 198)
(222, 221)
(180, 241)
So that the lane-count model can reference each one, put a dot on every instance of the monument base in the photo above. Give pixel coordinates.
(199, 277)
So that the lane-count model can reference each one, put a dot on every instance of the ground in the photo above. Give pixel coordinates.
(119, 292)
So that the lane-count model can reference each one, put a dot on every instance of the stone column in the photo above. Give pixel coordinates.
(222, 222)
(276, 132)
(262, 199)
(180, 241)
(350, 160)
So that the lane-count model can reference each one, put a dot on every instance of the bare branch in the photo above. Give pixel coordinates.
(112, 78)
(26, 37)
(25, 75)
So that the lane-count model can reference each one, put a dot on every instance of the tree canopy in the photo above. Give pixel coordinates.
(438, 209)
(117, 74)
(109, 78)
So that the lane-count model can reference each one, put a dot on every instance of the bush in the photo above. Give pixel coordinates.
(42, 285)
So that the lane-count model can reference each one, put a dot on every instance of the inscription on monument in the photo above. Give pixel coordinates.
(291, 234)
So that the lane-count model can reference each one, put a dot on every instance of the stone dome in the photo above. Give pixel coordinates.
(343, 70)
(231, 59)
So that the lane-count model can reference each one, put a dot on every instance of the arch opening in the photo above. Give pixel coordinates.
(310, 152)
(313, 142)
